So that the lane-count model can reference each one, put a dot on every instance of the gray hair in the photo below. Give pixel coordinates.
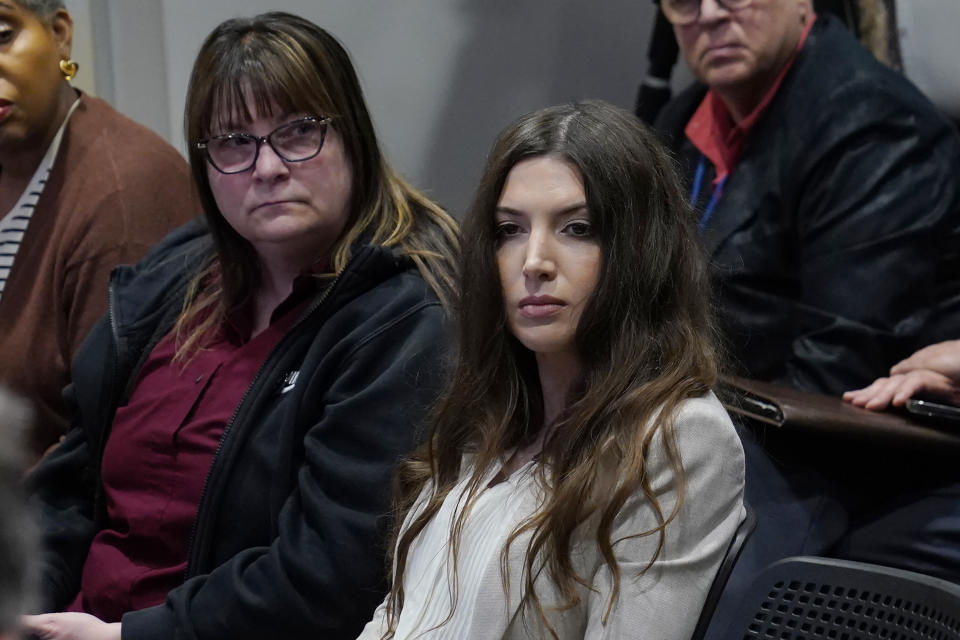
(42, 8)
(17, 534)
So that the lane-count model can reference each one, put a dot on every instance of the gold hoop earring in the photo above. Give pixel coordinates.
(69, 69)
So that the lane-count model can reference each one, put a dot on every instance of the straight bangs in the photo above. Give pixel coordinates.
(278, 64)
(267, 72)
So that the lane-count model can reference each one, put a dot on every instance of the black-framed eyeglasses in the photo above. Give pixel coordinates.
(294, 142)
(684, 12)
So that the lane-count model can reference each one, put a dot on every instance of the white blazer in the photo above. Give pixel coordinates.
(662, 604)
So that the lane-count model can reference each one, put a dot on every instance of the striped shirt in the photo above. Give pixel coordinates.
(13, 226)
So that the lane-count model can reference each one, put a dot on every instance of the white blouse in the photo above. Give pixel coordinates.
(662, 604)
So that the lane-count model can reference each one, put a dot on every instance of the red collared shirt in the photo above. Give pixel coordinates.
(157, 458)
(713, 131)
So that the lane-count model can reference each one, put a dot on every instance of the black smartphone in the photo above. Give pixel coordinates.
(935, 411)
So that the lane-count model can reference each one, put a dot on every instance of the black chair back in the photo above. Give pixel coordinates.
(812, 598)
(723, 573)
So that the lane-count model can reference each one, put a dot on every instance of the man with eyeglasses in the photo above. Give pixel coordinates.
(827, 189)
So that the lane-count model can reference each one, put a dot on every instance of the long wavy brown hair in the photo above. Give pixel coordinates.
(279, 60)
(645, 341)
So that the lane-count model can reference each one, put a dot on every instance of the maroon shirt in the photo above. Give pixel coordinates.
(156, 462)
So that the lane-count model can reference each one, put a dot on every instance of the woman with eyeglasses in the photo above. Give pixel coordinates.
(242, 406)
(578, 479)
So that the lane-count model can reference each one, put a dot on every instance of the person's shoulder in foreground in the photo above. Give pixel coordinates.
(17, 535)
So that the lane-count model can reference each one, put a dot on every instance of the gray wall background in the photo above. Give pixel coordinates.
(442, 77)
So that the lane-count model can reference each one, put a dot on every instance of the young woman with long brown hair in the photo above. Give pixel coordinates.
(579, 478)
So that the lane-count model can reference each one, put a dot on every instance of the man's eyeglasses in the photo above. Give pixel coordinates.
(684, 12)
(294, 142)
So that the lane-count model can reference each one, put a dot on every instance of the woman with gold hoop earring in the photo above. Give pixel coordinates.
(82, 189)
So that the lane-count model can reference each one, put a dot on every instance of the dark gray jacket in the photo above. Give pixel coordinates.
(288, 539)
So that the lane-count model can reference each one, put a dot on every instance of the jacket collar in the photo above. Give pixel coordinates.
(738, 205)
(142, 295)
(713, 131)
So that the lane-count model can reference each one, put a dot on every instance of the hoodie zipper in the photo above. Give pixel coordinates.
(115, 333)
(314, 308)
(98, 496)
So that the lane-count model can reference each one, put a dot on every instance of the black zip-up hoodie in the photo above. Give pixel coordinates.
(289, 535)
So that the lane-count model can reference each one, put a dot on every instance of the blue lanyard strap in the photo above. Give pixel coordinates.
(698, 185)
(697, 181)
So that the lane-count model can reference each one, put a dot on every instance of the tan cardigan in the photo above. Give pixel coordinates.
(662, 604)
(115, 189)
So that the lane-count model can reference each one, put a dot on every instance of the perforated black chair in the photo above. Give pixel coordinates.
(806, 598)
(723, 573)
